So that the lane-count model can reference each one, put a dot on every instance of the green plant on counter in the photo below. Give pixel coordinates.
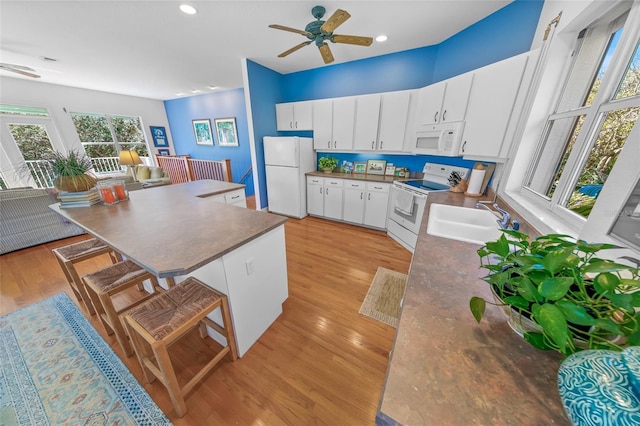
(70, 171)
(327, 162)
(575, 299)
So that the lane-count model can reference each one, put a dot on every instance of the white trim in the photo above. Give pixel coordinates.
(252, 141)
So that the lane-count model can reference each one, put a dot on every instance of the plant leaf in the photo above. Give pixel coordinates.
(537, 340)
(634, 339)
(605, 266)
(606, 281)
(529, 291)
(593, 248)
(499, 247)
(517, 301)
(629, 282)
(555, 260)
(477, 306)
(608, 325)
(554, 324)
(624, 301)
(575, 314)
(555, 288)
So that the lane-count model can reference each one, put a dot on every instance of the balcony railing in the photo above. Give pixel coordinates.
(43, 176)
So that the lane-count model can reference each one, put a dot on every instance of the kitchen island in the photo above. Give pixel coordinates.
(445, 368)
(182, 230)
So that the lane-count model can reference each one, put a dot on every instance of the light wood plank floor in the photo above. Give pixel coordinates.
(319, 363)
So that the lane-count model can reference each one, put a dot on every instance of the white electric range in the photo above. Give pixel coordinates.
(409, 197)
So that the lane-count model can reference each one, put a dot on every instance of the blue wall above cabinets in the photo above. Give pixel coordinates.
(505, 33)
(229, 103)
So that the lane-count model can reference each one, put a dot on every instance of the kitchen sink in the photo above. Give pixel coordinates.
(463, 223)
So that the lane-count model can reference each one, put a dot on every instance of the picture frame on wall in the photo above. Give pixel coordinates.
(359, 167)
(159, 135)
(376, 167)
(163, 152)
(226, 131)
(202, 131)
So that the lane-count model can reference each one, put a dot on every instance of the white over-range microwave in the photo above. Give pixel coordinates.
(439, 139)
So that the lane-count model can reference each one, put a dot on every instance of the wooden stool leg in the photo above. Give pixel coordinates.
(68, 277)
(81, 287)
(226, 321)
(142, 351)
(116, 325)
(169, 378)
(99, 310)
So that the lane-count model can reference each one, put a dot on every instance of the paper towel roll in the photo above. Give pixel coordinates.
(475, 182)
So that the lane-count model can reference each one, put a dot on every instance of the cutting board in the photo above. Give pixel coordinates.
(489, 169)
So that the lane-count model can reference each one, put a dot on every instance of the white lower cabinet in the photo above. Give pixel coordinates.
(353, 201)
(235, 198)
(324, 197)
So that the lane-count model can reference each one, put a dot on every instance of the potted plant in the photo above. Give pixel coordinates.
(572, 299)
(327, 164)
(70, 171)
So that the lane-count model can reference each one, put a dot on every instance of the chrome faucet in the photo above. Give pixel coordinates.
(503, 215)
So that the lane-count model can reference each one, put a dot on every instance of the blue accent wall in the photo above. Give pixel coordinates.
(413, 162)
(505, 33)
(265, 90)
(229, 103)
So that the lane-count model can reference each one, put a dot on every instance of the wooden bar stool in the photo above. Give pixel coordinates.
(69, 255)
(105, 283)
(166, 318)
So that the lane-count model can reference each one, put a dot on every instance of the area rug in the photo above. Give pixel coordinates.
(384, 296)
(56, 369)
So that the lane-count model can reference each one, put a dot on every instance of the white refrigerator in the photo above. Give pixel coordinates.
(287, 159)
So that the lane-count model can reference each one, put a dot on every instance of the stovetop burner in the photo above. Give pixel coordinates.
(426, 185)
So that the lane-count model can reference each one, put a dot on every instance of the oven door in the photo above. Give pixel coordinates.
(409, 221)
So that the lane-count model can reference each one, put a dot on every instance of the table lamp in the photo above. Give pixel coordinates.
(130, 159)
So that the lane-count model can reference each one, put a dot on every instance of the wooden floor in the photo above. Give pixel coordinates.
(319, 363)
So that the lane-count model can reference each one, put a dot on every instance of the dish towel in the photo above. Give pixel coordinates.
(404, 202)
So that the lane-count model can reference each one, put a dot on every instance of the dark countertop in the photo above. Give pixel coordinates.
(356, 176)
(174, 229)
(445, 368)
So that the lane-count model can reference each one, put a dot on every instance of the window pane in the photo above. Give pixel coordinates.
(140, 148)
(92, 127)
(2, 184)
(630, 84)
(127, 129)
(36, 149)
(550, 161)
(604, 66)
(22, 110)
(613, 133)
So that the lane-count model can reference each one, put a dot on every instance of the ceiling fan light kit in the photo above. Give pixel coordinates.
(319, 32)
(19, 69)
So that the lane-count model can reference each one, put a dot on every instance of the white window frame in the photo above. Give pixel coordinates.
(549, 215)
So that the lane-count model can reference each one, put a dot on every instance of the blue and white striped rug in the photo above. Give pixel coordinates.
(56, 369)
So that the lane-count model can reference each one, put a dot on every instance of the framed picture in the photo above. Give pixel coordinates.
(359, 167)
(159, 135)
(163, 152)
(226, 131)
(202, 130)
(390, 170)
(376, 167)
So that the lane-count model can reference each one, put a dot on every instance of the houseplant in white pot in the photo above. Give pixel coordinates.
(574, 299)
(327, 164)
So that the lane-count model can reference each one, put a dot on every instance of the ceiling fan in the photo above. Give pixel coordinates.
(19, 69)
(320, 32)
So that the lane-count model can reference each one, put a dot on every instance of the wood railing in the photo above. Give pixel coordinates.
(183, 168)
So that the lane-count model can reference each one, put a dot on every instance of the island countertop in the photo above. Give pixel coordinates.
(445, 368)
(175, 229)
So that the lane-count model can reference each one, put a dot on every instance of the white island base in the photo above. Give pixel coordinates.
(254, 278)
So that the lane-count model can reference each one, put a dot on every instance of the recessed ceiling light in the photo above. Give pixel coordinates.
(189, 10)
(212, 87)
(178, 93)
(196, 90)
(381, 38)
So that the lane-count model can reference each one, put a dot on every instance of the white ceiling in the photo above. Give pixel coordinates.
(151, 49)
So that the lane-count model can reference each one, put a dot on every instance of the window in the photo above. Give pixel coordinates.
(594, 115)
(104, 136)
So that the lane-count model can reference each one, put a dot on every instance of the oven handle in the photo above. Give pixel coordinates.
(414, 193)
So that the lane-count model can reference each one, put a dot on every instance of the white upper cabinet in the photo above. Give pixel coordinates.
(323, 124)
(445, 101)
(294, 116)
(394, 110)
(344, 114)
(366, 124)
(491, 106)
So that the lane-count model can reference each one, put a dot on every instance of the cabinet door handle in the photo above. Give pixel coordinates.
(444, 115)
(335, 144)
(463, 145)
(369, 197)
(326, 191)
(435, 117)
(373, 143)
(291, 125)
(377, 187)
(296, 124)
(329, 144)
(237, 196)
(381, 142)
(321, 188)
(361, 195)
